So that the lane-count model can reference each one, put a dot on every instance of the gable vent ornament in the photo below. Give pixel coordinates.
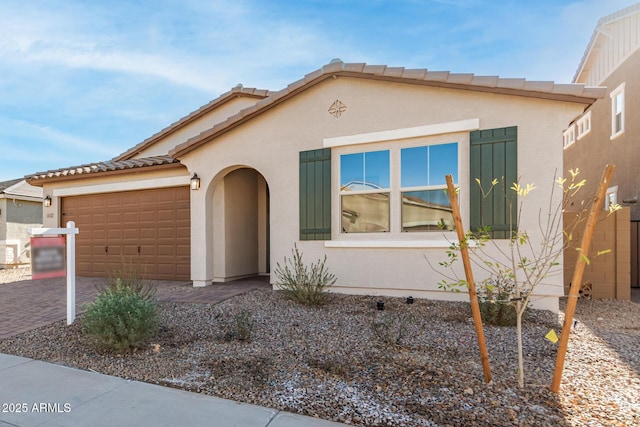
(337, 108)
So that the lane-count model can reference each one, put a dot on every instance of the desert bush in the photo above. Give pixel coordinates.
(239, 328)
(302, 283)
(390, 329)
(127, 275)
(496, 306)
(123, 315)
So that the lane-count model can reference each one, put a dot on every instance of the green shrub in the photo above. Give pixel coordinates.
(127, 275)
(239, 328)
(304, 284)
(121, 318)
(496, 307)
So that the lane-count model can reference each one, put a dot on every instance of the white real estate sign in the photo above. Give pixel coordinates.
(70, 232)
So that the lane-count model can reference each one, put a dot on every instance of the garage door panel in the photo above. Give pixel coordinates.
(183, 250)
(147, 198)
(167, 197)
(130, 234)
(183, 197)
(166, 250)
(130, 250)
(157, 221)
(99, 218)
(164, 215)
(147, 268)
(98, 250)
(167, 269)
(149, 250)
(183, 214)
(114, 251)
(130, 199)
(148, 233)
(183, 233)
(147, 216)
(130, 217)
(84, 218)
(164, 233)
(87, 203)
(113, 236)
(99, 234)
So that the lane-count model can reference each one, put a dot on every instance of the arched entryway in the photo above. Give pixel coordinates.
(240, 224)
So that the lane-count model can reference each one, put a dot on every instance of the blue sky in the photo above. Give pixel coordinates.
(82, 81)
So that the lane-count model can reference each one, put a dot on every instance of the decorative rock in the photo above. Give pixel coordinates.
(417, 370)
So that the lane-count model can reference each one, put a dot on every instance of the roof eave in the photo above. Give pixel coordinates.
(236, 92)
(23, 197)
(40, 181)
(321, 75)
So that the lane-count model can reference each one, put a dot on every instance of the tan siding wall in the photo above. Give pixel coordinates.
(596, 149)
(610, 273)
(618, 41)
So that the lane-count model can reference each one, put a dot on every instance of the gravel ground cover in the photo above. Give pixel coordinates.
(10, 275)
(409, 365)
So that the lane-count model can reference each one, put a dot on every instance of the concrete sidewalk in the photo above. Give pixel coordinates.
(34, 393)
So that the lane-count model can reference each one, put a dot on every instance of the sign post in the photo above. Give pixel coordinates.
(50, 259)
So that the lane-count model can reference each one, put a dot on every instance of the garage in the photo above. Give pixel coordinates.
(149, 229)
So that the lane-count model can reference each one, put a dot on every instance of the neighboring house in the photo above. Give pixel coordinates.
(20, 209)
(608, 132)
(348, 162)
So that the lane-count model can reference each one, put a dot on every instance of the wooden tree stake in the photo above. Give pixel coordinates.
(577, 275)
(473, 298)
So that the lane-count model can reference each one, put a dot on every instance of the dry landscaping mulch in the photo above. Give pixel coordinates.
(408, 365)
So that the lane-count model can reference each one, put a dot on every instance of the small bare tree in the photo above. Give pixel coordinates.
(524, 260)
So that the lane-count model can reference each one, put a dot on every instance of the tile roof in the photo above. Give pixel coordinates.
(20, 189)
(100, 167)
(236, 92)
(493, 84)
(6, 184)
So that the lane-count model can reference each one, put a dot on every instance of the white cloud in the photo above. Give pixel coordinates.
(32, 134)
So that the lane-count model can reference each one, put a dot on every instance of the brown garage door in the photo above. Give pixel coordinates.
(150, 229)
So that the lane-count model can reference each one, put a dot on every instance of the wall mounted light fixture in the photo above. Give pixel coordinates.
(47, 201)
(195, 182)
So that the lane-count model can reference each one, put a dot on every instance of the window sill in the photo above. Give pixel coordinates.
(616, 135)
(390, 244)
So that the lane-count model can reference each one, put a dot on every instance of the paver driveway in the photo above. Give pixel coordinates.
(29, 304)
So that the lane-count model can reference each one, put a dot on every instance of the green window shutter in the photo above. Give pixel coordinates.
(315, 194)
(493, 155)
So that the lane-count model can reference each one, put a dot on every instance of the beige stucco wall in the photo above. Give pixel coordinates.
(241, 223)
(3, 218)
(16, 217)
(207, 121)
(271, 142)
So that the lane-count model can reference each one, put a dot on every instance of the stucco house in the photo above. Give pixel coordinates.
(608, 132)
(347, 162)
(20, 209)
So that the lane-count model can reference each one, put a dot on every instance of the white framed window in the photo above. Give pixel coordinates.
(583, 125)
(425, 203)
(611, 198)
(569, 136)
(365, 191)
(370, 182)
(617, 111)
